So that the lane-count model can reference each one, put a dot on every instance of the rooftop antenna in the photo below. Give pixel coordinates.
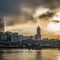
(2, 22)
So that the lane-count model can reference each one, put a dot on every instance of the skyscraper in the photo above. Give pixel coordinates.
(38, 35)
(1, 25)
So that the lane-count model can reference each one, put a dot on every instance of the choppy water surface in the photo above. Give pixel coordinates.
(19, 54)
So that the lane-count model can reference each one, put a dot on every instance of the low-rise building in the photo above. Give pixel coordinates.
(27, 38)
(16, 38)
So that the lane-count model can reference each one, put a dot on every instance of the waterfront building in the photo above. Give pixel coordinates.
(33, 38)
(27, 38)
(38, 35)
(8, 34)
(3, 37)
(20, 38)
(16, 38)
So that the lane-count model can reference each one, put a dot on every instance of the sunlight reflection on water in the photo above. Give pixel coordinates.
(18, 54)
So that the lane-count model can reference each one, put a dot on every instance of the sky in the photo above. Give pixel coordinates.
(24, 16)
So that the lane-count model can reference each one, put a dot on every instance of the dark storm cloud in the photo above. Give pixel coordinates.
(52, 4)
(15, 8)
(47, 15)
(8, 7)
(28, 17)
(21, 20)
(56, 21)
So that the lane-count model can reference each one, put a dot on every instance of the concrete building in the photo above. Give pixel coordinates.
(16, 38)
(21, 38)
(3, 37)
(8, 34)
(27, 38)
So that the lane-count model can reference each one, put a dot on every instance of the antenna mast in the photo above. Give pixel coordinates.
(4, 25)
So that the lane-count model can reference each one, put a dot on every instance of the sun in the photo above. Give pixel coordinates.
(54, 27)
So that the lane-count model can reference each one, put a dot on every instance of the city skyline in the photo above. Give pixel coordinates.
(32, 32)
(24, 16)
(29, 29)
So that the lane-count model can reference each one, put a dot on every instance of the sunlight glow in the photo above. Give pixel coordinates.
(57, 17)
(40, 11)
(54, 27)
(59, 57)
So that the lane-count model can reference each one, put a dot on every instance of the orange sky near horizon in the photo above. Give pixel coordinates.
(50, 27)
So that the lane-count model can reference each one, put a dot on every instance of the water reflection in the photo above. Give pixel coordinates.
(38, 55)
(1, 55)
(18, 54)
(50, 54)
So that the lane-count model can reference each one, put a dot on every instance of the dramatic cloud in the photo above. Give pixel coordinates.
(9, 7)
(56, 21)
(18, 12)
(25, 9)
(23, 19)
(47, 15)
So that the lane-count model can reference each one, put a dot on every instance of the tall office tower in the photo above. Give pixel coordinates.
(1, 25)
(38, 35)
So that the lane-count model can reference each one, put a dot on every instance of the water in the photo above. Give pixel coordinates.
(19, 54)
